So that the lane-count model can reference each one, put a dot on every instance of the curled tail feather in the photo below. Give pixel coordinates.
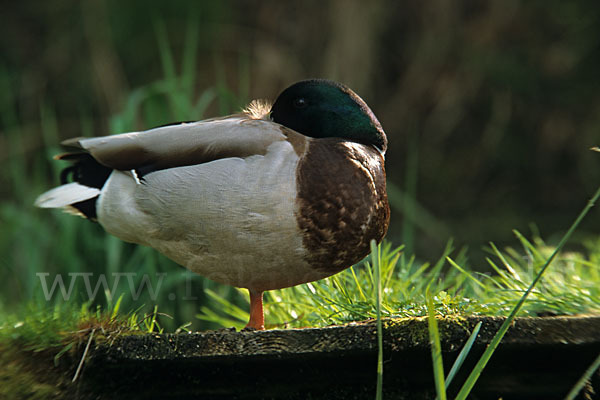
(81, 186)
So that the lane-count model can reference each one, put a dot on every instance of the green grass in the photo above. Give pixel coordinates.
(393, 284)
(436, 350)
(40, 328)
(349, 296)
(571, 286)
(539, 273)
(587, 375)
(376, 261)
(34, 341)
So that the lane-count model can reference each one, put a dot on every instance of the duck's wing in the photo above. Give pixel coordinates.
(183, 144)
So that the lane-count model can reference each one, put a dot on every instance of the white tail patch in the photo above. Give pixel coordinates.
(66, 195)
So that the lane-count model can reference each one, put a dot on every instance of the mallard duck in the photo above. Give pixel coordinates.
(272, 197)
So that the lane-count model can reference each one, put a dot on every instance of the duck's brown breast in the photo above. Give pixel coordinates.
(341, 202)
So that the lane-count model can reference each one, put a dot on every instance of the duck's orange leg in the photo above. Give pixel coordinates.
(257, 317)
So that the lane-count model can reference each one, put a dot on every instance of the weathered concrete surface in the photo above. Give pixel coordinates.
(538, 358)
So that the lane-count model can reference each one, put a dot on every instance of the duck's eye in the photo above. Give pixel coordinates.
(300, 102)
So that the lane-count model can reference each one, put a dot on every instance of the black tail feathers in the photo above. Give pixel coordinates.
(86, 171)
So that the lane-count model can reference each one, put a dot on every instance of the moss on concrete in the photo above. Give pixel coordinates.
(538, 357)
(30, 375)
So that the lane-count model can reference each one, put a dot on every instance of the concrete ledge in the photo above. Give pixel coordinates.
(539, 358)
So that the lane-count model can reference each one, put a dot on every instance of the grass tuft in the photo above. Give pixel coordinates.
(572, 286)
(489, 351)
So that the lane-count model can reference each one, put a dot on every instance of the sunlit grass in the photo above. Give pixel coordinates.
(38, 327)
(376, 262)
(571, 286)
(471, 380)
(35, 339)
(34, 241)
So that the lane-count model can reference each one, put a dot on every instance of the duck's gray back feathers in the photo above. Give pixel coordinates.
(183, 144)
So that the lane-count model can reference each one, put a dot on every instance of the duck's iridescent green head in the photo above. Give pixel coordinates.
(321, 108)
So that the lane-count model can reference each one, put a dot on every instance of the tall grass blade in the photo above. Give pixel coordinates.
(436, 349)
(115, 309)
(584, 379)
(462, 355)
(358, 286)
(376, 259)
(227, 306)
(153, 323)
(465, 272)
(472, 379)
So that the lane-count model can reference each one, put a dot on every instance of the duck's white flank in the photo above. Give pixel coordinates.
(231, 220)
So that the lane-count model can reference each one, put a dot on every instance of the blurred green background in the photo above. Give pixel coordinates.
(490, 109)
